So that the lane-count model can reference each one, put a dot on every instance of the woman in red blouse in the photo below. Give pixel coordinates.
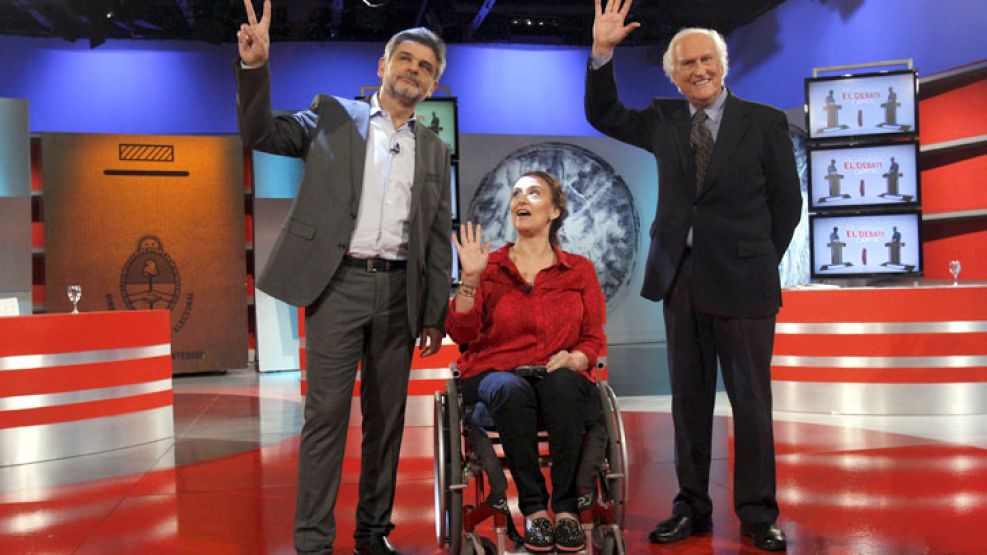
(531, 303)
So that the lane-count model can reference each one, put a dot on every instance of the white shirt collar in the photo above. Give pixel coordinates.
(376, 110)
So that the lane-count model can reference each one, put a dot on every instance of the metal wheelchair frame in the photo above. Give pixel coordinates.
(460, 453)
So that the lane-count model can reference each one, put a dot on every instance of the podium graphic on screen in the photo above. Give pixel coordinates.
(832, 110)
(894, 252)
(891, 112)
(435, 125)
(891, 177)
(835, 179)
(835, 252)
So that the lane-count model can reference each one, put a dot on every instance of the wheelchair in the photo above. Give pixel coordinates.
(465, 453)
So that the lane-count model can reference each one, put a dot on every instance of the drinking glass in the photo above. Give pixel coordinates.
(954, 269)
(75, 293)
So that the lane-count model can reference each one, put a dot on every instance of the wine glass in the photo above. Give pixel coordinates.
(75, 293)
(954, 268)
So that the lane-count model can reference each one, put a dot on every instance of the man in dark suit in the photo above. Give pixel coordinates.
(729, 203)
(366, 251)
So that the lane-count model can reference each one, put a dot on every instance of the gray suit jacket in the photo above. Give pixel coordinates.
(331, 137)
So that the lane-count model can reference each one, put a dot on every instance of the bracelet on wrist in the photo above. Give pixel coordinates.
(467, 289)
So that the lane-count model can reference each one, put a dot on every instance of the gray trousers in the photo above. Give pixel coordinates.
(360, 317)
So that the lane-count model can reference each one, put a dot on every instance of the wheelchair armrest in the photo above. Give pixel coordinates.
(531, 371)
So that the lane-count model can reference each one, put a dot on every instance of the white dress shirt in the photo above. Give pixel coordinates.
(384, 216)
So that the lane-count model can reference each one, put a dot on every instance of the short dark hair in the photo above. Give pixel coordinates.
(559, 200)
(421, 35)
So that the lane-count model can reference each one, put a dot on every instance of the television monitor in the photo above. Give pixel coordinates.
(863, 176)
(455, 261)
(440, 115)
(866, 244)
(863, 105)
(454, 192)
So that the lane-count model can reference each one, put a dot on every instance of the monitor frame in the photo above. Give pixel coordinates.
(813, 194)
(455, 271)
(422, 116)
(454, 192)
(920, 267)
(911, 132)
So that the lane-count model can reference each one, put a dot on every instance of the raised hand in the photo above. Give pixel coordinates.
(254, 37)
(608, 26)
(473, 253)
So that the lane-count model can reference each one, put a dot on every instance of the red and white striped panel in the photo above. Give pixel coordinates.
(72, 384)
(915, 350)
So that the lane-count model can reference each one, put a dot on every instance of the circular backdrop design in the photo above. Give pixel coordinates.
(603, 224)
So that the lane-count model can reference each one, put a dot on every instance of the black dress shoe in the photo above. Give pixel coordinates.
(765, 536)
(374, 545)
(680, 527)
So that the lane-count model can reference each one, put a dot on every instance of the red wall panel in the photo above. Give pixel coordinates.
(961, 185)
(956, 114)
(956, 182)
(965, 241)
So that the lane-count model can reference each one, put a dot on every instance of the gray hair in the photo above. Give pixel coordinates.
(668, 60)
(421, 35)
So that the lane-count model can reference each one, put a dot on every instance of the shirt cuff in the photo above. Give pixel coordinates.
(462, 325)
(591, 352)
(596, 62)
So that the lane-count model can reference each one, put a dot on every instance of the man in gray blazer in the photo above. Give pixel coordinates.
(729, 203)
(366, 250)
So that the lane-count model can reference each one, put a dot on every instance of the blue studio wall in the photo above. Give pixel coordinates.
(185, 87)
(772, 55)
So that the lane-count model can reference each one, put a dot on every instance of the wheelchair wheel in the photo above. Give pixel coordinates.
(616, 475)
(448, 466)
(488, 547)
(611, 545)
(440, 448)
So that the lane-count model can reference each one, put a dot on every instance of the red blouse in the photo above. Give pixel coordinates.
(512, 324)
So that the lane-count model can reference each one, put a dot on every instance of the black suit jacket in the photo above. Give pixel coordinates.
(331, 136)
(742, 216)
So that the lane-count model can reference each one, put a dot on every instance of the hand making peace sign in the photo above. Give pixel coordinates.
(254, 38)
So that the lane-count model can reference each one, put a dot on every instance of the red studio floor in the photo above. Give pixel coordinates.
(225, 484)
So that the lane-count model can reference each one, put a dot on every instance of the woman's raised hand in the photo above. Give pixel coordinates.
(473, 253)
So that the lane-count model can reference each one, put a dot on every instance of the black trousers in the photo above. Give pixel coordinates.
(743, 346)
(566, 402)
(361, 317)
